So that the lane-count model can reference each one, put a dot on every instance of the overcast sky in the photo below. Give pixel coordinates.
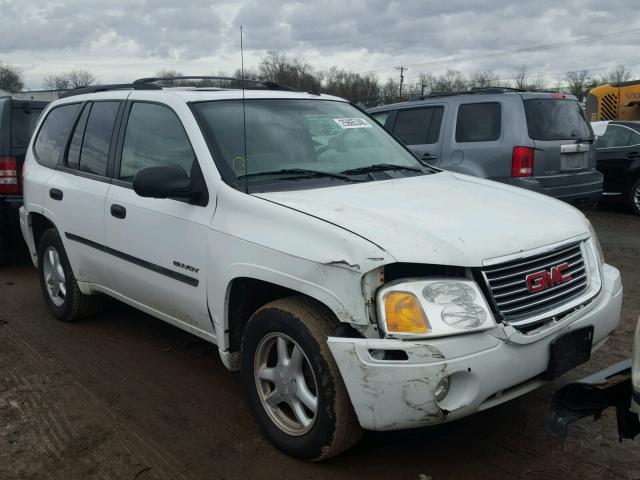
(120, 40)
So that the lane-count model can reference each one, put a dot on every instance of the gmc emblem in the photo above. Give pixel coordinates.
(538, 281)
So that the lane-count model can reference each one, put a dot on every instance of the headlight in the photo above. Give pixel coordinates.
(435, 307)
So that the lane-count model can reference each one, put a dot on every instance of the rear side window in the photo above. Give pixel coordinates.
(419, 125)
(97, 137)
(53, 134)
(479, 122)
(73, 155)
(555, 119)
(23, 123)
(616, 136)
(381, 118)
(154, 137)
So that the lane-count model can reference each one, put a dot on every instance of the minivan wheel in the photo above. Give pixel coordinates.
(634, 197)
(292, 381)
(59, 287)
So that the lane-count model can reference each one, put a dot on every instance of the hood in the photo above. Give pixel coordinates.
(445, 218)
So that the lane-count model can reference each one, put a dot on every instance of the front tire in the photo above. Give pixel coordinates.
(292, 382)
(59, 286)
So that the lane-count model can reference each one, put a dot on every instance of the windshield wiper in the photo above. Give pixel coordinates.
(380, 167)
(299, 172)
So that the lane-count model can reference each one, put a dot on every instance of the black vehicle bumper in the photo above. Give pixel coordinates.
(9, 217)
(582, 188)
(607, 388)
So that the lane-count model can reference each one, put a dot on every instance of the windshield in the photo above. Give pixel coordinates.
(555, 119)
(318, 141)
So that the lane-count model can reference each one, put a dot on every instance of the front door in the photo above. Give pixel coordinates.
(158, 247)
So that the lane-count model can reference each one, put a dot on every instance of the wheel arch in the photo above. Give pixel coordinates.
(249, 290)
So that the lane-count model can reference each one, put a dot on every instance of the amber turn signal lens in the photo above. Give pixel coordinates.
(404, 314)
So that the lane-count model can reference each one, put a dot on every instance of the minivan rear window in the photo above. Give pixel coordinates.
(555, 119)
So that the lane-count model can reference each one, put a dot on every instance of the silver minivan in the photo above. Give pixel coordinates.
(535, 140)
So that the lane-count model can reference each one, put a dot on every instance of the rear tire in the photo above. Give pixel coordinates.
(311, 417)
(59, 286)
(634, 197)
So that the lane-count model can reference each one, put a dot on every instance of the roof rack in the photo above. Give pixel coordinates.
(151, 84)
(256, 83)
(475, 90)
(105, 88)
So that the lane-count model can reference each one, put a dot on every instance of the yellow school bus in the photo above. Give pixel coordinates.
(617, 101)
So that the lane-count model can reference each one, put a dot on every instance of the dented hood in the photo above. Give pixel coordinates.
(444, 218)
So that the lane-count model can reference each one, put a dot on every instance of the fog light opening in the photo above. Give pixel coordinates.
(442, 389)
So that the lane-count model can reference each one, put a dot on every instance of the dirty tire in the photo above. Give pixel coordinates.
(76, 305)
(634, 197)
(308, 324)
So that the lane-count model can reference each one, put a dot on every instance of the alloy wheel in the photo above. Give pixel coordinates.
(54, 277)
(286, 384)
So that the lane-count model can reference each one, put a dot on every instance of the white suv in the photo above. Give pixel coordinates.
(354, 286)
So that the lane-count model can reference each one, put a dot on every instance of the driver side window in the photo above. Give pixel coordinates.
(154, 137)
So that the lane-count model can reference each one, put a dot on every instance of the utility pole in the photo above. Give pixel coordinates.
(402, 70)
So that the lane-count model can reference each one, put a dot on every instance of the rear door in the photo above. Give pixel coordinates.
(618, 151)
(75, 195)
(477, 140)
(420, 129)
(561, 135)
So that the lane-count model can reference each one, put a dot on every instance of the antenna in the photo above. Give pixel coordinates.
(244, 117)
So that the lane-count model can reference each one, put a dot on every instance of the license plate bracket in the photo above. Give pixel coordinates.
(569, 351)
(576, 161)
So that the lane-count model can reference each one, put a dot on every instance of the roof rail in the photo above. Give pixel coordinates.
(257, 83)
(475, 90)
(105, 88)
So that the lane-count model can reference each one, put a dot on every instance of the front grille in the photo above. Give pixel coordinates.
(508, 285)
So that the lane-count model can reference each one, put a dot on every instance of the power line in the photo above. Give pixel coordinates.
(544, 47)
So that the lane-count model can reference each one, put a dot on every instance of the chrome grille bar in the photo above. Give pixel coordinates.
(507, 282)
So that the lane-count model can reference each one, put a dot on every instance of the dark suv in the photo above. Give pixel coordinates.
(17, 121)
(535, 140)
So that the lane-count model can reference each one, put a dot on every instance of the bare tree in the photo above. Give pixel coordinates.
(537, 83)
(450, 81)
(619, 74)
(389, 91)
(520, 78)
(483, 80)
(353, 86)
(72, 79)
(577, 83)
(289, 71)
(10, 78)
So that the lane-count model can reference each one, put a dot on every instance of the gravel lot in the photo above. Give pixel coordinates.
(124, 395)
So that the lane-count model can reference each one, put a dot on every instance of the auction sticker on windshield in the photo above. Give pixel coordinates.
(352, 122)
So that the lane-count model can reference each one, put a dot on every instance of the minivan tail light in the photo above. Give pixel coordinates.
(9, 175)
(522, 162)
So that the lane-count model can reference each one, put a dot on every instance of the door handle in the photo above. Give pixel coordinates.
(633, 155)
(428, 156)
(118, 211)
(56, 194)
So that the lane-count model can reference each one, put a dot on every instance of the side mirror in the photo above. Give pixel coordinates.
(169, 181)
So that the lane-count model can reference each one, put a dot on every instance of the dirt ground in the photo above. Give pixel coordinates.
(126, 396)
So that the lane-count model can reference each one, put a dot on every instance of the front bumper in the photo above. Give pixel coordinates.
(484, 369)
